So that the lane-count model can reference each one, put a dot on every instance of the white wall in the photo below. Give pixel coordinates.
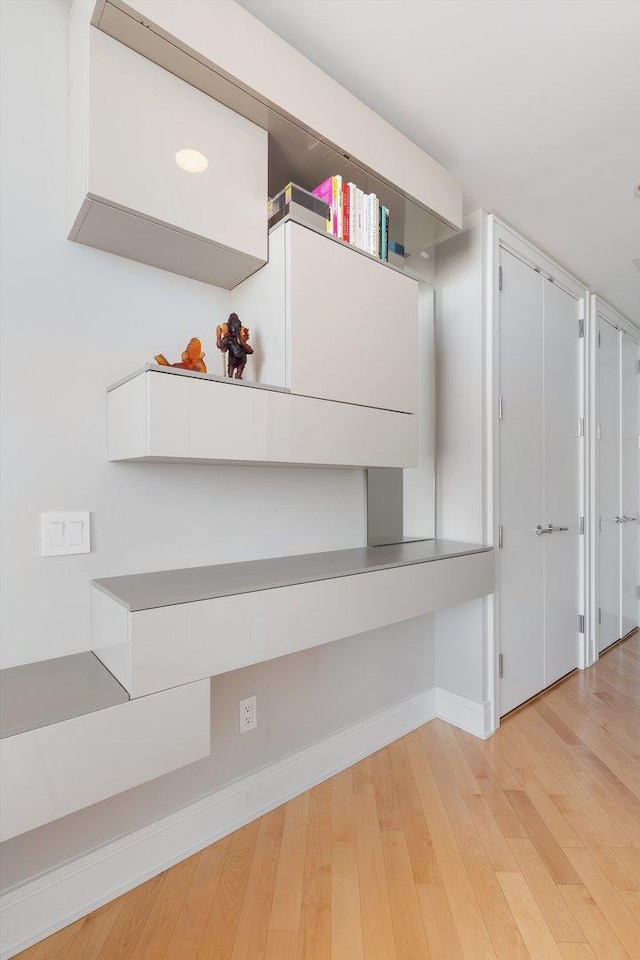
(462, 641)
(74, 320)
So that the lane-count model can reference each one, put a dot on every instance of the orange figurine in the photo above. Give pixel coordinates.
(192, 358)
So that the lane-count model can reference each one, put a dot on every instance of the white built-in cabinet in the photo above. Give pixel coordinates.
(127, 119)
(340, 325)
(617, 465)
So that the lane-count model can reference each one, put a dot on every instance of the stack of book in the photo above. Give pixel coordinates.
(356, 217)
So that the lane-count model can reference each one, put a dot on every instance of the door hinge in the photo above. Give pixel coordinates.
(599, 338)
(581, 526)
(600, 524)
(500, 666)
(500, 537)
(499, 278)
(581, 426)
(581, 623)
(500, 412)
(581, 310)
(580, 328)
(600, 615)
(638, 591)
(599, 431)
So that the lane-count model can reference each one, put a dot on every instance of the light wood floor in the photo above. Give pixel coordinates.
(440, 846)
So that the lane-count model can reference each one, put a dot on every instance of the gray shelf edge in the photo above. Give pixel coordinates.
(31, 681)
(177, 372)
(459, 550)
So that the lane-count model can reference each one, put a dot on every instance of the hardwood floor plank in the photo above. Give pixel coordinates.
(389, 816)
(406, 916)
(627, 926)
(413, 821)
(282, 945)
(542, 839)
(595, 927)
(362, 774)
(535, 933)
(315, 915)
(471, 928)
(493, 839)
(377, 927)
(251, 935)
(287, 896)
(126, 931)
(547, 894)
(220, 932)
(343, 822)
(346, 922)
(577, 951)
(163, 916)
(189, 931)
(442, 937)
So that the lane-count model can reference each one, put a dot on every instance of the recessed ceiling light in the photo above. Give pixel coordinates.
(191, 161)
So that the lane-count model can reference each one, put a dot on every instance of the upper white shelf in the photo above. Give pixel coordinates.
(128, 118)
(158, 415)
(316, 127)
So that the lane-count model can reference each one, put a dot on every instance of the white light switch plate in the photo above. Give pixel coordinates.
(65, 533)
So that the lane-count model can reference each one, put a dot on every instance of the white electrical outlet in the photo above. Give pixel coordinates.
(248, 714)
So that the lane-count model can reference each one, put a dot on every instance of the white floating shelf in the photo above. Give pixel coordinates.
(159, 630)
(65, 747)
(159, 413)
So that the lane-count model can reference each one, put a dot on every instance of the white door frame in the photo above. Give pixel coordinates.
(499, 235)
(598, 310)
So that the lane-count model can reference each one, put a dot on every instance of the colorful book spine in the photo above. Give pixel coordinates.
(346, 212)
(324, 191)
(336, 206)
(352, 212)
(375, 225)
(384, 232)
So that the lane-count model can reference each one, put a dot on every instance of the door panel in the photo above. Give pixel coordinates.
(609, 484)
(630, 429)
(521, 482)
(561, 481)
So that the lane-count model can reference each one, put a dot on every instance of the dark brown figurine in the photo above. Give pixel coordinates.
(232, 338)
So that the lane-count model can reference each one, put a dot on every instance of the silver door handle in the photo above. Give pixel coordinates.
(553, 529)
(620, 519)
(630, 519)
(539, 530)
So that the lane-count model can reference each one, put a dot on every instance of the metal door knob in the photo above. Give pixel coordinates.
(630, 519)
(539, 530)
(553, 529)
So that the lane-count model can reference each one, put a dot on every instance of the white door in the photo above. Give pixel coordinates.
(521, 571)
(629, 483)
(608, 484)
(561, 482)
(538, 481)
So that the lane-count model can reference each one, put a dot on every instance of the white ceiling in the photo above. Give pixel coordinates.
(533, 104)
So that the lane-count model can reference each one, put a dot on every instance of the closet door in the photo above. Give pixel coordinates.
(521, 567)
(629, 483)
(539, 469)
(561, 481)
(609, 571)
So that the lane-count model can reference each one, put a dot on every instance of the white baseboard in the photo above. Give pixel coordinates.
(461, 712)
(38, 908)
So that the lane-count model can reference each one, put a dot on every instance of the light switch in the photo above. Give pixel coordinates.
(56, 534)
(65, 533)
(76, 528)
